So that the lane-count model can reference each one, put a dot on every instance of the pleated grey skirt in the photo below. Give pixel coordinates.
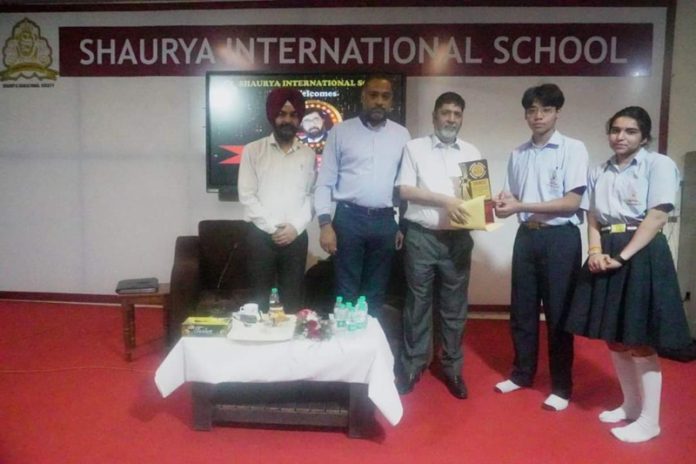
(637, 304)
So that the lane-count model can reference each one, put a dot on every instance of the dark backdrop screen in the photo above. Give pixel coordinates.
(236, 114)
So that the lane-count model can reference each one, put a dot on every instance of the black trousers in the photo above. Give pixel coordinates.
(366, 246)
(271, 266)
(545, 267)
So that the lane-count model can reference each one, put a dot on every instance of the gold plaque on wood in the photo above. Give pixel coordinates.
(475, 180)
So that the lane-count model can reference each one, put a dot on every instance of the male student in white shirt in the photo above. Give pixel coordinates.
(546, 179)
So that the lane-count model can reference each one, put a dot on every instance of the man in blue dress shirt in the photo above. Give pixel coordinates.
(359, 167)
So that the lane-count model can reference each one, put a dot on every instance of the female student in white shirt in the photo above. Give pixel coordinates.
(628, 292)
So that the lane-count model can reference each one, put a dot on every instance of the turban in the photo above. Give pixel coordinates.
(277, 98)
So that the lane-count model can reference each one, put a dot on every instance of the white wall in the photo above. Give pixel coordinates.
(682, 130)
(98, 176)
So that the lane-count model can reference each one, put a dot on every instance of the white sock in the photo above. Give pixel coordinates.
(647, 425)
(628, 379)
(555, 403)
(506, 386)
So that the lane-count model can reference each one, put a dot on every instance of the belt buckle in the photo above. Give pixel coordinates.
(533, 225)
(617, 228)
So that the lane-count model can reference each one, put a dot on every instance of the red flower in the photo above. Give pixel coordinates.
(310, 326)
(304, 314)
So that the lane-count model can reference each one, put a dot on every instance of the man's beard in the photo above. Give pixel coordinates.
(447, 134)
(285, 132)
(376, 115)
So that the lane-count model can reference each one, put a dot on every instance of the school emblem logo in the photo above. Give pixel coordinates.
(27, 54)
(478, 170)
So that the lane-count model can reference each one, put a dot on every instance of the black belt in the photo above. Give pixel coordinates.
(533, 225)
(618, 228)
(364, 210)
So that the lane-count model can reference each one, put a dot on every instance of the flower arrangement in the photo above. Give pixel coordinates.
(310, 325)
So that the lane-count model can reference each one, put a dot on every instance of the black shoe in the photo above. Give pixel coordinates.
(406, 382)
(457, 387)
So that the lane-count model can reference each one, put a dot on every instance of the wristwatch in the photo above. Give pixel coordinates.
(324, 219)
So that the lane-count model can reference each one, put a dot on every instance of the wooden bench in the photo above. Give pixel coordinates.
(300, 403)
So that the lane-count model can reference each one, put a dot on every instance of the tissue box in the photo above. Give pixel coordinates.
(205, 327)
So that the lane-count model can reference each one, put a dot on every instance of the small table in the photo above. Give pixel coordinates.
(129, 301)
(352, 373)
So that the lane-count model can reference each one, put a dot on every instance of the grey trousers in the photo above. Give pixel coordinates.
(447, 254)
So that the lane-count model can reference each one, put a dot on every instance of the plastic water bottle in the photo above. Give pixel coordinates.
(339, 312)
(274, 304)
(362, 311)
(352, 317)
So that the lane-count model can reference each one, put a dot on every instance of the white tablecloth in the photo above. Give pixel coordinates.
(354, 357)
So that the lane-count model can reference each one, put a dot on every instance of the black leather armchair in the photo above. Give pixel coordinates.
(209, 275)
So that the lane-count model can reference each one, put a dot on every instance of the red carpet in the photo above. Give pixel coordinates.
(67, 396)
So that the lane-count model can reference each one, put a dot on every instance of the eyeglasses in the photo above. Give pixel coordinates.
(544, 110)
